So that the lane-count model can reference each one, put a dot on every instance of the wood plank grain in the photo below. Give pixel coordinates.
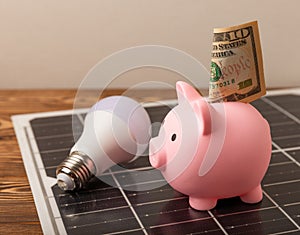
(27, 228)
(11, 190)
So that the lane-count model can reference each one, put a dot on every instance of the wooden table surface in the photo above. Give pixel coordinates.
(17, 210)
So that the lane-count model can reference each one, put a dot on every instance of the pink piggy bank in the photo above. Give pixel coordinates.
(211, 151)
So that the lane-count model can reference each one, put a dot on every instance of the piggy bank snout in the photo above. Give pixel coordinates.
(157, 154)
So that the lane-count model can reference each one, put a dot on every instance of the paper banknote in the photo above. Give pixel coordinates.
(236, 64)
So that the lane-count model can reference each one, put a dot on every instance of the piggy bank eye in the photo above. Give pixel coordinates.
(173, 138)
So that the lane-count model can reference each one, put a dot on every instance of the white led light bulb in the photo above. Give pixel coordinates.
(116, 129)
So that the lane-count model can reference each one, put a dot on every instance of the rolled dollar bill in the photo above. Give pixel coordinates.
(236, 64)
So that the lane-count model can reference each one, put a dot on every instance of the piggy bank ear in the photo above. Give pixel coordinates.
(186, 92)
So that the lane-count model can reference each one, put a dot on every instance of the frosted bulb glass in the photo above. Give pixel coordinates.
(116, 129)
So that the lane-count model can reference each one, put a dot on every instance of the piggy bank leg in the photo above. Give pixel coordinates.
(202, 204)
(253, 196)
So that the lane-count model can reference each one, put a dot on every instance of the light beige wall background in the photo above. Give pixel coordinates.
(54, 43)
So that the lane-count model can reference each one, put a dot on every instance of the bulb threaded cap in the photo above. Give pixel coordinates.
(75, 171)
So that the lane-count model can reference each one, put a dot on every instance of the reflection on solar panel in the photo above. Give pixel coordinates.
(106, 207)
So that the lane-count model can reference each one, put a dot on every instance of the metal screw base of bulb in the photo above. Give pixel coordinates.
(75, 171)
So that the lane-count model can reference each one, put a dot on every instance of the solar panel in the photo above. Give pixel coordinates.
(111, 205)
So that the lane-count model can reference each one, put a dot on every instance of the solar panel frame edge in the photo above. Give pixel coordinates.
(53, 113)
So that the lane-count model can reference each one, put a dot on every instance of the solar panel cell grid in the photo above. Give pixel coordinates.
(106, 208)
